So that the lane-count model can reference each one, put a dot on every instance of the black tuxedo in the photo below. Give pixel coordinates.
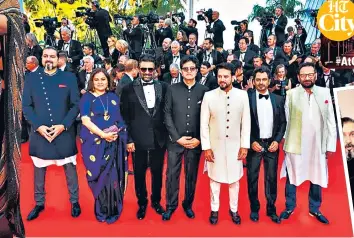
(36, 51)
(169, 59)
(125, 80)
(81, 80)
(75, 52)
(216, 55)
(163, 33)
(148, 133)
(270, 158)
(135, 36)
(101, 21)
(167, 78)
(248, 59)
(217, 30)
(280, 29)
(211, 81)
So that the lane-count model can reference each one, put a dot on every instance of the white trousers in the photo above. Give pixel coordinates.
(234, 189)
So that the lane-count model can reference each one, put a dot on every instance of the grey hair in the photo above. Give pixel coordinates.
(32, 37)
(175, 43)
(67, 30)
(33, 59)
(168, 21)
(174, 66)
(88, 57)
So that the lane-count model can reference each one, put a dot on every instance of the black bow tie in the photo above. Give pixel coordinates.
(263, 96)
(146, 84)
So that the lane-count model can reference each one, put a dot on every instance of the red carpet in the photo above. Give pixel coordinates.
(56, 219)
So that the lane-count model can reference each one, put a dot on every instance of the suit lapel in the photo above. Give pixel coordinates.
(274, 106)
(158, 95)
(138, 89)
(254, 106)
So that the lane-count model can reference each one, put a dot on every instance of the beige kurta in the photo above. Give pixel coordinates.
(225, 127)
(311, 164)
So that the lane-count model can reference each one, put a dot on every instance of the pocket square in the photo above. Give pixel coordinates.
(199, 102)
(62, 86)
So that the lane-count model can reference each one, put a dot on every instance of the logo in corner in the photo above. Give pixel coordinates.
(335, 19)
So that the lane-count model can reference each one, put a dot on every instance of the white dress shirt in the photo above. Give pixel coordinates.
(176, 59)
(66, 47)
(203, 79)
(265, 116)
(62, 68)
(149, 92)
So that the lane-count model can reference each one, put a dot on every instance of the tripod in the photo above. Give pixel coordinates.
(263, 38)
(49, 39)
(149, 39)
(92, 37)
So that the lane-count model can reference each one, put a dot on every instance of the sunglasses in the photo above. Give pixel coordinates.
(191, 69)
(150, 70)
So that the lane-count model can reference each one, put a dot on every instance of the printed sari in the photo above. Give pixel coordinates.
(106, 162)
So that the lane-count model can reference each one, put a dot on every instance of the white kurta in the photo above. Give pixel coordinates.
(311, 164)
(225, 127)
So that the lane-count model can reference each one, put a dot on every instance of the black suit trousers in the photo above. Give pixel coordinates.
(174, 165)
(270, 160)
(142, 159)
(104, 44)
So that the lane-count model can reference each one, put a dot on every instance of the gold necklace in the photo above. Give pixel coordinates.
(106, 116)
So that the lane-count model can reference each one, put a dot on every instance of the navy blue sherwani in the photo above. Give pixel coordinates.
(51, 100)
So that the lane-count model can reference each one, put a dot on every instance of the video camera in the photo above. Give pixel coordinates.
(50, 24)
(83, 11)
(151, 18)
(179, 15)
(236, 24)
(119, 18)
(266, 21)
(208, 14)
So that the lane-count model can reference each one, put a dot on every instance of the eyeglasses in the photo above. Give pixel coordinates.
(310, 75)
(150, 70)
(189, 69)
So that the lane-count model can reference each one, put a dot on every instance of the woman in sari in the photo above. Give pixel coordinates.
(12, 38)
(104, 137)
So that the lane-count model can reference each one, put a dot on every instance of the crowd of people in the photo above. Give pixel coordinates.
(234, 106)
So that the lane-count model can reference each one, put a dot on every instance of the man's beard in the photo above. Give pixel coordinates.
(225, 86)
(147, 78)
(49, 66)
(308, 86)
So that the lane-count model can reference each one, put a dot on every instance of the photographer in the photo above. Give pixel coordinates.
(190, 28)
(251, 46)
(135, 36)
(101, 20)
(216, 27)
(279, 24)
(165, 32)
(240, 30)
(66, 24)
(299, 40)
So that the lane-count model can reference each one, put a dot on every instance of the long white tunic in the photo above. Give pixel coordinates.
(311, 164)
(225, 126)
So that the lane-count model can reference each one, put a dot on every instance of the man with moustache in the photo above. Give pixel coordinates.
(50, 105)
(225, 128)
(310, 138)
(268, 124)
(182, 119)
(348, 138)
(142, 103)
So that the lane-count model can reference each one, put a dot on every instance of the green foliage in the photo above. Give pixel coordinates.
(37, 9)
(289, 7)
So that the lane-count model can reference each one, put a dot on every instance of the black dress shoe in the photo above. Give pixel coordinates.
(166, 216)
(35, 213)
(321, 218)
(213, 219)
(158, 208)
(141, 212)
(75, 209)
(286, 214)
(254, 216)
(235, 217)
(189, 213)
(274, 218)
